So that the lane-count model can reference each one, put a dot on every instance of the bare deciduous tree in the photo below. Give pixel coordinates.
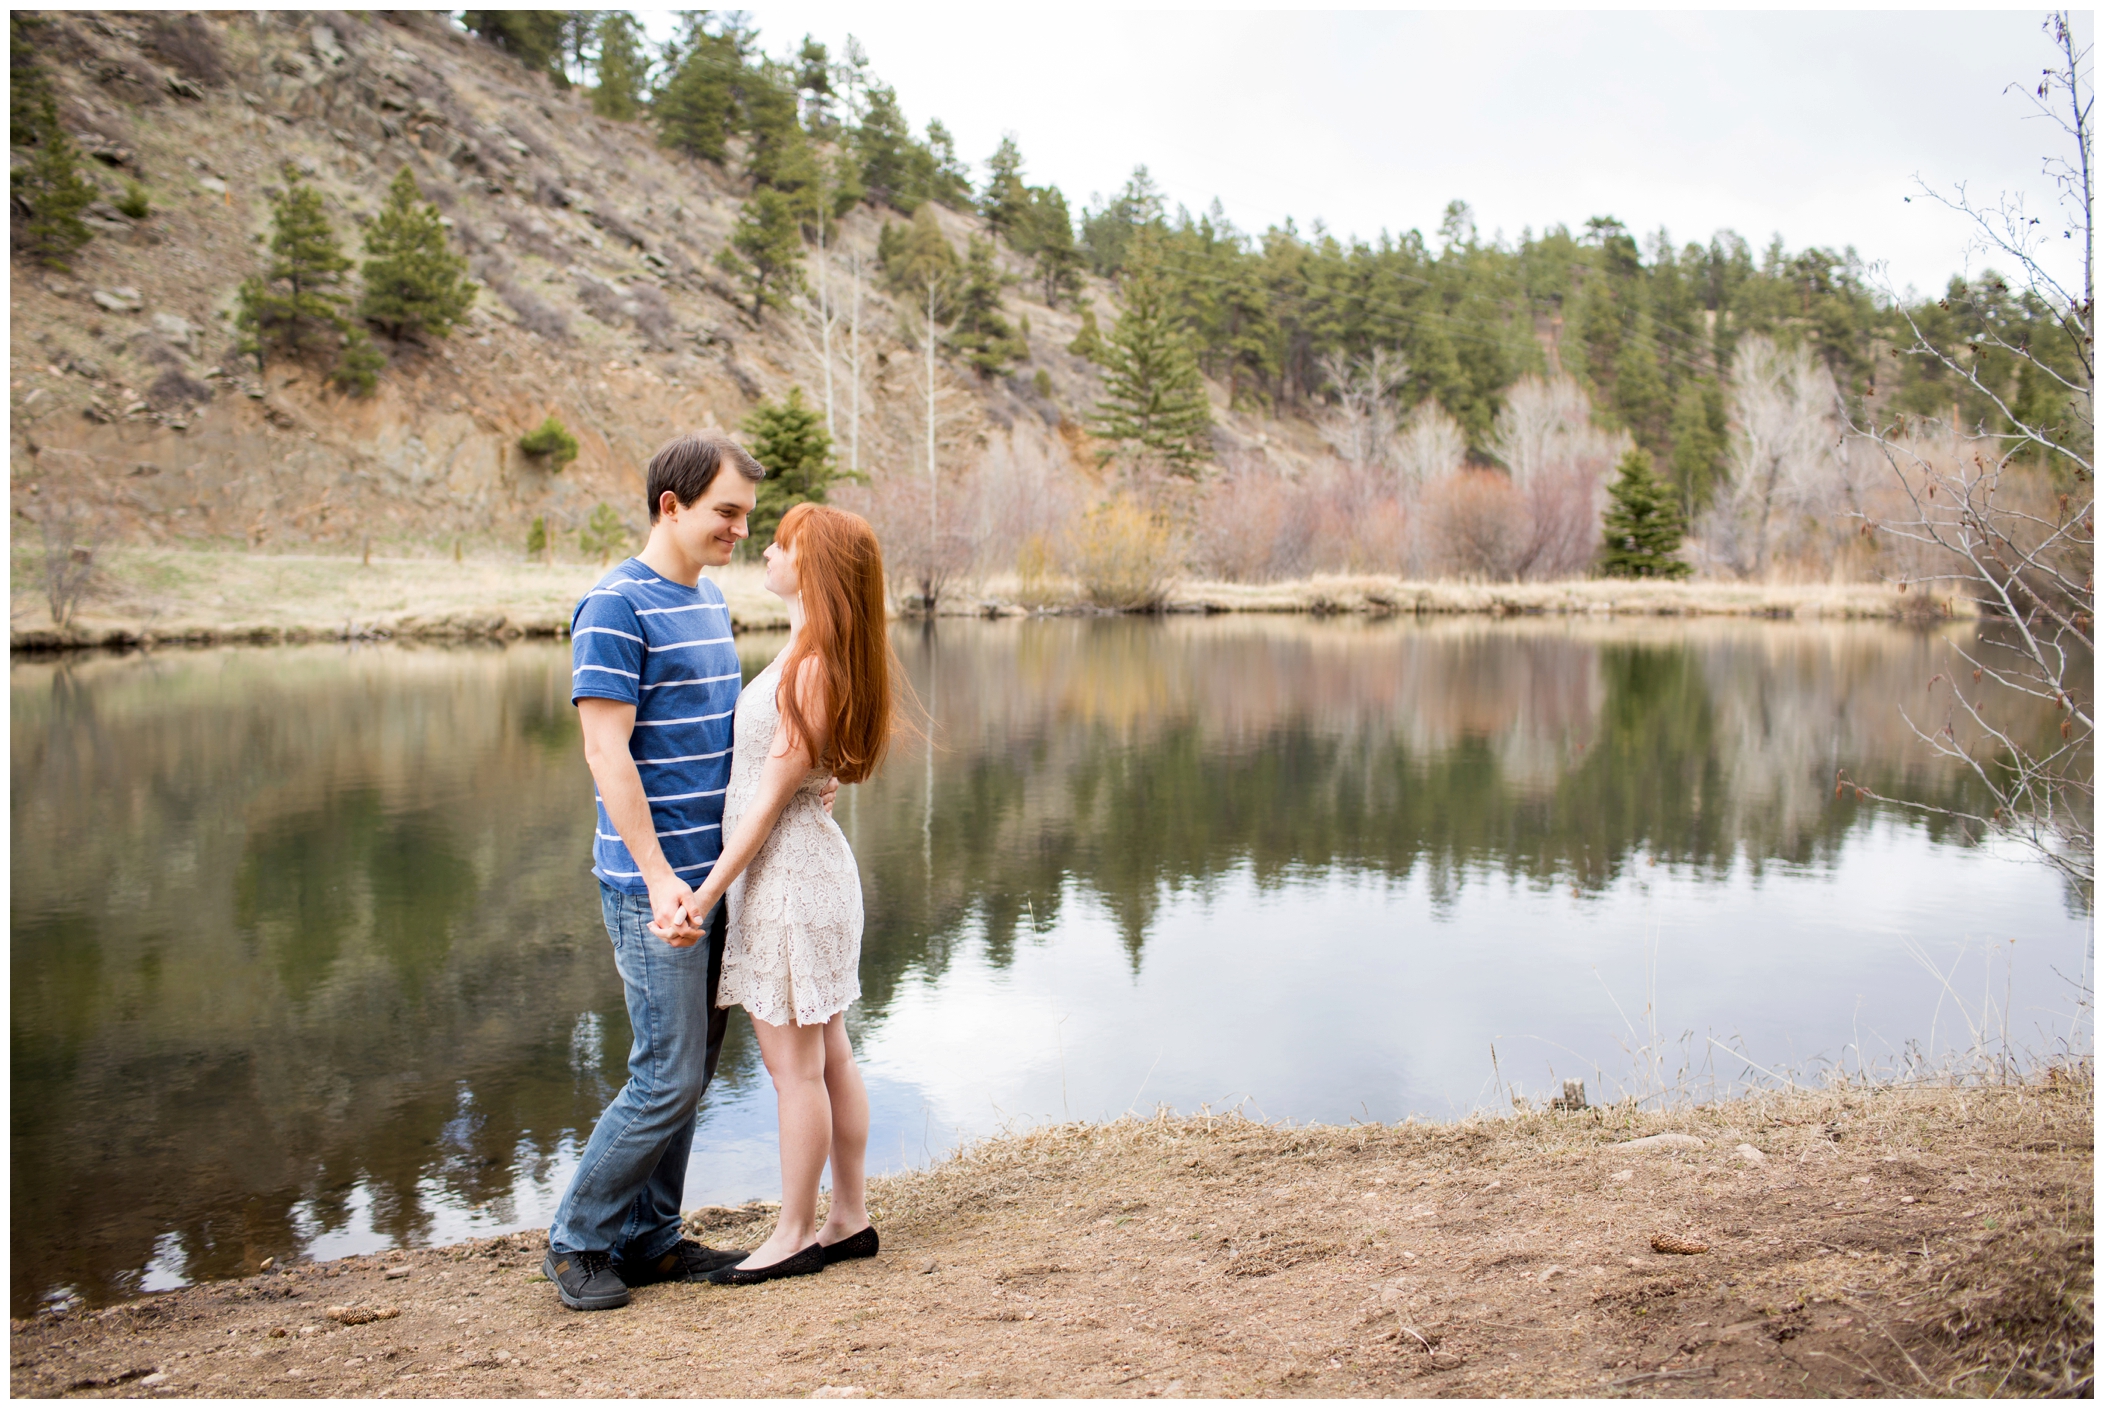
(74, 529)
(1559, 463)
(2011, 518)
(1792, 473)
(1362, 425)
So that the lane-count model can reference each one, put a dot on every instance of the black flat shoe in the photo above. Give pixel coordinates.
(802, 1264)
(862, 1244)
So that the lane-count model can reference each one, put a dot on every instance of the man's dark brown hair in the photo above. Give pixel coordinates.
(687, 465)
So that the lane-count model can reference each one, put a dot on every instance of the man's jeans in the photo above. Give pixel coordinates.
(625, 1196)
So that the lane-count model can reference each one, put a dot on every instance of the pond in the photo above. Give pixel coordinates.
(307, 960)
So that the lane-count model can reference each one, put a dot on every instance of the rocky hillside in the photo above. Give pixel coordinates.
(601, 302)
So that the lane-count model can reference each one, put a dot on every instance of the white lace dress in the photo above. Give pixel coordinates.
(794, 946)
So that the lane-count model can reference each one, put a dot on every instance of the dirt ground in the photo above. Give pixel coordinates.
(1859, 1242)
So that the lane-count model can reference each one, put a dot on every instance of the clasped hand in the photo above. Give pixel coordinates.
(678, 915)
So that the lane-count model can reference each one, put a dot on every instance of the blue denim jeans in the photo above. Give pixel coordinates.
(624, 1198)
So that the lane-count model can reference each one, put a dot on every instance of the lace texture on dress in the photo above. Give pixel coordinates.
(794, 945)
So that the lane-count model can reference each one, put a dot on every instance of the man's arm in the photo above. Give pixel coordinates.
(607, 725)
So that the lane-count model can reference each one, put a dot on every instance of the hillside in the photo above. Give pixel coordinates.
(600, 304)
(1405, 408)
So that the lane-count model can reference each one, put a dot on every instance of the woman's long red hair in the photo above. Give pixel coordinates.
(840, 574)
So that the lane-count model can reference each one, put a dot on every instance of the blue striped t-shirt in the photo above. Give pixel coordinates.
(666, 649)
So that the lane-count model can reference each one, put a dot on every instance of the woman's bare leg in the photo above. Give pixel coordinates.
(796, 1060)
(850, 1112)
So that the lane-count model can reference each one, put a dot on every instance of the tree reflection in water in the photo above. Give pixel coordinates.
(303, 939)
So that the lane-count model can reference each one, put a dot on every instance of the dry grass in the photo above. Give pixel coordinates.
(170, 594)
(144, 595)
(1886, 1241)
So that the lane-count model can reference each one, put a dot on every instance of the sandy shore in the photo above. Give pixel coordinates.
(145, 596)
(1858, 1242)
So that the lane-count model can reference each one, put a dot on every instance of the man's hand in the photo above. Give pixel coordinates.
(671, 909)
(827, 793)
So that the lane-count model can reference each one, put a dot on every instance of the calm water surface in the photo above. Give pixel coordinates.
(306, 956)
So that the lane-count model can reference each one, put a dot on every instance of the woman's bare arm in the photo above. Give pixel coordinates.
(788, 763)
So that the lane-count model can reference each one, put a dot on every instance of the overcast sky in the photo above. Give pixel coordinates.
(1809, 124)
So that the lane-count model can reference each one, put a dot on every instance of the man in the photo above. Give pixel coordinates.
(655, 682)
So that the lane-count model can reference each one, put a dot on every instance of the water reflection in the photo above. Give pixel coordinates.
(305, 954)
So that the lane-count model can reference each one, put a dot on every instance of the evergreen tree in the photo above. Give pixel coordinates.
(982, 336)
(765, 246)
(884, 144)
(48, 192)
(295, 295)
(1154, 395)
(359, 365)
(1006, 202)
(1088, 343)
(948, 181)
(814, 87)
(1643, 526)
(552, 439)
(697, 109)
(533, 37)
(790, 440)
(28, 87)
(778, 152)
(413, 282)
(916, 254)
(621, 67)
(1047, 234)
(1698, 442)
(603, 534)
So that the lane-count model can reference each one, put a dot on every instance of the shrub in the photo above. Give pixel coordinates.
(1126, 556)
(553, 440)
(1475, 526)
(135, 203)
(537, 538)
(359, 365)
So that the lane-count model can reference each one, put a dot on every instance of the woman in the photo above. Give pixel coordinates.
(822, 708)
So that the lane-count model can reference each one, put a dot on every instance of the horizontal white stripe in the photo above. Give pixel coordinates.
(638, 875)
(606, 592)
(610, 670)
(682, 797)
(698, 680)
(609, 631)
(689, 831)
(682, 645)
(686, 757)
(668, 723)
(690, 607)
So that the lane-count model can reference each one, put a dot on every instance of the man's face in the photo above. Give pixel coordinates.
(709, 528)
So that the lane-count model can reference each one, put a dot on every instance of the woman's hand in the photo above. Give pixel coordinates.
(787, 765)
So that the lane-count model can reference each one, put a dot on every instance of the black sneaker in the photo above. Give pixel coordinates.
(585, 1280)
(688, 1261)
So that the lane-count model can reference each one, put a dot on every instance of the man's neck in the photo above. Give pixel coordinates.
(662, 556)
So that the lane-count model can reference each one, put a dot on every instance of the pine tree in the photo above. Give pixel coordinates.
(1698, 442)
(697, 109)
(982, 336)
(48, 192)
(619, 92)
(1154, 395)
(790, 440)
(1088, 343)
(1006, 203)
(765, 246)
(359, 365)
(603, 534)
(1643, 525)
(915, 254)
(533, 37)
(1047, 234)
(413, 282)
(552, 439)
(294, 296)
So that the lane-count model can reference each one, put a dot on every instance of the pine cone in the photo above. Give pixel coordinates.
(1666, 1242)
